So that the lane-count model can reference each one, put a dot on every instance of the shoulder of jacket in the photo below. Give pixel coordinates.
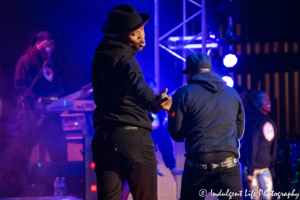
(133, 62)
(130, 59)
(183, 89)
(232, 91)
(23, 60)
(181, 92)
(24, 57)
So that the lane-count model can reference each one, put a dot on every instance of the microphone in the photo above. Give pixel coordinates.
(48, 49)
(163, 95)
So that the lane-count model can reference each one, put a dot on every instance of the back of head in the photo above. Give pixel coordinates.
(197, 62)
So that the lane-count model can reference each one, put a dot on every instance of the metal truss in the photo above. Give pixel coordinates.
(183, 42)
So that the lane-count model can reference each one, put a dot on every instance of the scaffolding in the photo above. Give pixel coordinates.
(179, 148)
(186, 40)
(183, 42)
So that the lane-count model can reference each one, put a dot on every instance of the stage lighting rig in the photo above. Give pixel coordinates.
(192, 42)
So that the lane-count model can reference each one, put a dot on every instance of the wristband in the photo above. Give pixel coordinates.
(172, 115)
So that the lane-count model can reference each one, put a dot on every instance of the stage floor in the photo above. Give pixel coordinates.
(42, 198)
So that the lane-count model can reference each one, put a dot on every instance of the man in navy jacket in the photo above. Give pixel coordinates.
(209, 116)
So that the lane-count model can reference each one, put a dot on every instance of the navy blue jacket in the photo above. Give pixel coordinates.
(209, 114)
(121, 93)
(259, 142)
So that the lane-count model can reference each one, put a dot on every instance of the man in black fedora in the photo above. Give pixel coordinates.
(210, 117)
(122, 145)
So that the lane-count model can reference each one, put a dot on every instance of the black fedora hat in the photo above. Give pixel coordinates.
(124, 19)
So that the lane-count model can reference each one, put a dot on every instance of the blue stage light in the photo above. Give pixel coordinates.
(230, 60)
(228, 80)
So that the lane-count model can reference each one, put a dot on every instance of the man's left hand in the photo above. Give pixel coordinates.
(175, 171)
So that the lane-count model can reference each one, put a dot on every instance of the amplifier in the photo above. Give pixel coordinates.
(74, 127)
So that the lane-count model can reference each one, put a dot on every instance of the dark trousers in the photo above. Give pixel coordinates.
(121, 154)
(197, 182)
(48, 134)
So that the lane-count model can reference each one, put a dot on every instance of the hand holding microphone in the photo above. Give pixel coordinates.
(168, 107)
(48, 49)
(162, 101)
(163, 95)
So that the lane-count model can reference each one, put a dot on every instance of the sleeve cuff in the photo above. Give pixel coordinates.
(152, 109)
(172, 114)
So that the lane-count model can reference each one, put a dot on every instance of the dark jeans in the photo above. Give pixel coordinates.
(218, 180)
(48, 134)
(125, 154)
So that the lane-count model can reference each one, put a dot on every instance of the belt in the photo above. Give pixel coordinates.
(225, 163)
(120, 127)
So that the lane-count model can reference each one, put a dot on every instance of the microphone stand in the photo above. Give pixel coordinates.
(30, 87)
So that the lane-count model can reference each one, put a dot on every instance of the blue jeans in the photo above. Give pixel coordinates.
(262, 184)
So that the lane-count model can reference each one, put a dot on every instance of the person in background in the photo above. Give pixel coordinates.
(38, 84)
(258, 150)
(162, 139)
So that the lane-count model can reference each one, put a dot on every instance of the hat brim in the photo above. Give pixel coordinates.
(107, 31)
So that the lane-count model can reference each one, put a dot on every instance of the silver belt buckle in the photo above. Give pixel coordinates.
(214, 166)
(130, 128)
(227, 162)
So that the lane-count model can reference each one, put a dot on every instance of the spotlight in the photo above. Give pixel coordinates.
(94, 188)
(230, 60)
(92, 165)
(228, 81)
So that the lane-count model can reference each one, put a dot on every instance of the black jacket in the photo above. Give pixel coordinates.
(27, 68)
(121, 93)
(259, 144)
(208, 114)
